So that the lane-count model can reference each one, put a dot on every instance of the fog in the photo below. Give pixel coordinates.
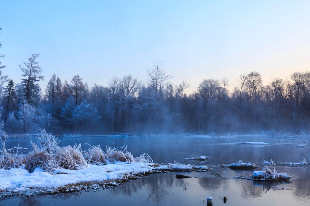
(130, 106)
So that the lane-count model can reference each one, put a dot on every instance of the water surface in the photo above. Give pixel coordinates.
(166, 189)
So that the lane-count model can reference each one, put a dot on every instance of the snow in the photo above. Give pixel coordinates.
(21, 179)
(268, 163)
(175, 166)
(240, 163)
(269, 175)
(200, 158)
(253, 143)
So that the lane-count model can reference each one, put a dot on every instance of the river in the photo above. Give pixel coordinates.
(166, 189)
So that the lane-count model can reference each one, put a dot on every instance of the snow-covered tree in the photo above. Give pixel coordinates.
(53, 96)
(27, 115)
(3, 78)
(13, 124)
(9, 101)
(78, 89)
(157, 79)
(67, 112)
(66, 91)
(85, 116)
(31, 75)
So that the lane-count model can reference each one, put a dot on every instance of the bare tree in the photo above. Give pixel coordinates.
(157, 79)
(242, 81)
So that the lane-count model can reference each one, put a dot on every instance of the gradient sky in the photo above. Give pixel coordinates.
(192, 40)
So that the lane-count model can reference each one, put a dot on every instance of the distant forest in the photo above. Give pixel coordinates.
(127, 105)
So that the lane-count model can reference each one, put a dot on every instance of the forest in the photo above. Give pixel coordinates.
(128, 105)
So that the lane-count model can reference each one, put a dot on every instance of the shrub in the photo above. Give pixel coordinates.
(9, 160)
(113, 154)
(144, 158)
(42, 160)
(95, 155)
(47, 142)
(70, 157)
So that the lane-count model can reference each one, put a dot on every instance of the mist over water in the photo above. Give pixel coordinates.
(166, 189)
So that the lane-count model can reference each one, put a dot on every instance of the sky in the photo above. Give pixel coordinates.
(191, 40)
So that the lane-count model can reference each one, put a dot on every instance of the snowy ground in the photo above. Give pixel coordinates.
(21, 179)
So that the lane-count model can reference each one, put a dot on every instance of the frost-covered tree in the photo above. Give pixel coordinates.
(3, 78)
(58, 90)
(9, 101)
(85, 116)
(208, 91)
(32, 118)
(53, 96)
(78, 89)
(43, 119)
(13, 124)
(157, 79)
(50, 91)
(66, 91)
(27, 115)
(253, 84)
(122, 99)
(67, 113)
(99, 97)
(31, 75)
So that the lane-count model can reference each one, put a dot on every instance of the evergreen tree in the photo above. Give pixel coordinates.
(10, 99)
(78, 89)
(31, 73)
(3, 78)
(65, 91)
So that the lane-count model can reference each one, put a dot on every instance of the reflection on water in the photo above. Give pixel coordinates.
(166, 189)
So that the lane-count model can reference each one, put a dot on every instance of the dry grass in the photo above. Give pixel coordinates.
(113, 154)
(144, 158)
(95, 155)
(48, 155)
(41, 159)
(9, 160)
(70, 157)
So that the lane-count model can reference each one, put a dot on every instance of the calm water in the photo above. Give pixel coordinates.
(165, 189)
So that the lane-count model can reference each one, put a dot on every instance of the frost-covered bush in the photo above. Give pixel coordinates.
(41, 159)
(71, 157)
(144, 158)
(95, 155)
(43, 154)
(48, 155)
(47, 142)
(8, 160)
(113, 154)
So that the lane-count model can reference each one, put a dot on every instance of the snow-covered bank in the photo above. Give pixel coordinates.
(50, 168)
(19, 180)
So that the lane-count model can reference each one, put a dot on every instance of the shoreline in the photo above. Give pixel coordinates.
(16, 182)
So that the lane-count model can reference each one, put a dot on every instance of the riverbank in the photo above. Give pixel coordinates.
(19, 181)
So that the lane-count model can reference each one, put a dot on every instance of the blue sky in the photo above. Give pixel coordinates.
(192, 40)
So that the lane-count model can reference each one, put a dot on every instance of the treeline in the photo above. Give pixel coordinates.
(127, 105)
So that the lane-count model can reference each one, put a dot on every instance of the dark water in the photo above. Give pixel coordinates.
(166, 189)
